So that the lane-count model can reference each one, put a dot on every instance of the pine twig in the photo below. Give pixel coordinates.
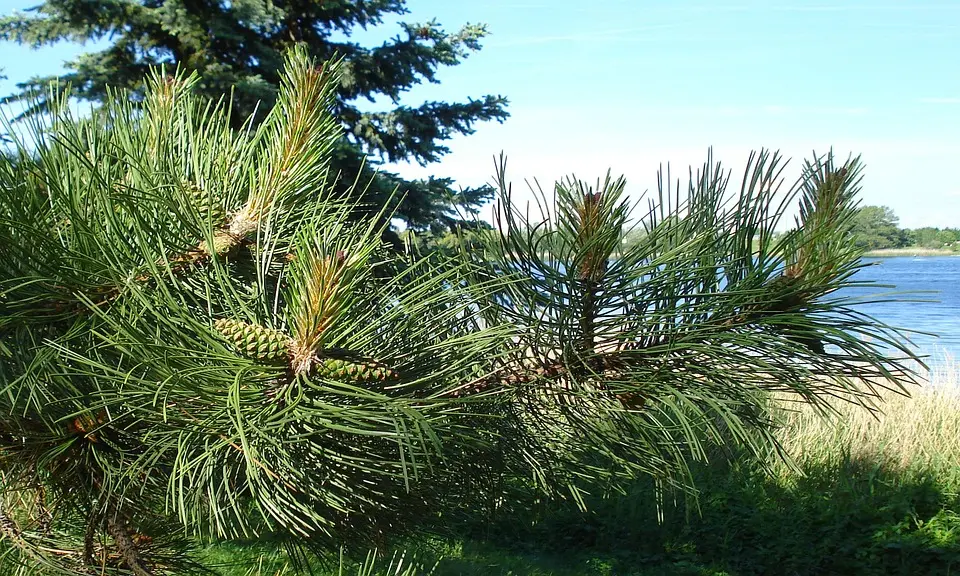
(11, 532)
(89, 535)
(120, 533)
(44, 517)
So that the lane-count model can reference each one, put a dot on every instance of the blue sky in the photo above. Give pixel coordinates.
(630, 84)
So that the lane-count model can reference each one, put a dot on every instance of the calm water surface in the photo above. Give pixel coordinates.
(940, 274)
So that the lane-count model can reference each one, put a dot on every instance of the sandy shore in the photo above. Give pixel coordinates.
(894, 252)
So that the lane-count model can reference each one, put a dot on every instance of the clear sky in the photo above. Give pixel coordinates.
(628, 84)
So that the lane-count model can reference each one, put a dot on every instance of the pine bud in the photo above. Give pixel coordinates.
(255, 341)
(85, 424)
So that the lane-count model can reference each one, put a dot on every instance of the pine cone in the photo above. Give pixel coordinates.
(338, 369)
(786, 294)
(255, 341)
(205, 203)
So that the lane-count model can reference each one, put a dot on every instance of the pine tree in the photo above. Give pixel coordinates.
(199, 341)
(196, 342)
(637, 359)
(237, 48)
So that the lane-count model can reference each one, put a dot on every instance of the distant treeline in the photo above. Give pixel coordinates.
(878, 228)
(874, 228)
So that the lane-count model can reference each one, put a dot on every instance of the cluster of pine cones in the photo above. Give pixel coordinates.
(274, 346)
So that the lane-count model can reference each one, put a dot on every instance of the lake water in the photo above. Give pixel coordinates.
(942, 317)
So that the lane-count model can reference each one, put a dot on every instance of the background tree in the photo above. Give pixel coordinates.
(3, 135)
(876, 227)
(935, 238)
(237, 48)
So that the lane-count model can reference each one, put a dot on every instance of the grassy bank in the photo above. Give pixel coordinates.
(897, 252)
(867, 495)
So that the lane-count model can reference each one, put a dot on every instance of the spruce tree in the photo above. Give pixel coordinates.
(200, 342)
(237, 48)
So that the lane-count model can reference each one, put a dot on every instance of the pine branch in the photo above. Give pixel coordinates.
(12, 533)
(417, 133)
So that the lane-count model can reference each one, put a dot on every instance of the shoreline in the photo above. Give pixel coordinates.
(896, 252)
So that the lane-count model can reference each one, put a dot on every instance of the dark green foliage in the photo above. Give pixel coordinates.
(237, 48)
(855, 518)
(876, 228)
(851, 518)
(461, 237)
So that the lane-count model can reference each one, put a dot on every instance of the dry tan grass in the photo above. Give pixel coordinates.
(922, 430)
(895, 252)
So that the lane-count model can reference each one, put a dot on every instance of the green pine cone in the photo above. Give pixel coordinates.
(354, 371)
(255, 341)
(205, 203)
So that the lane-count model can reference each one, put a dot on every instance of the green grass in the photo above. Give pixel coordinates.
(252, 559)
(854, 518)
(868, 496)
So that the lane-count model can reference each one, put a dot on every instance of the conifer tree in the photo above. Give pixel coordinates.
(236, 47)
(195, 342)
(198, 341)
(636, 360)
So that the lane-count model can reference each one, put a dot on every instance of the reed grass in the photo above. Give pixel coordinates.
(919, 433)
(906, 252)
